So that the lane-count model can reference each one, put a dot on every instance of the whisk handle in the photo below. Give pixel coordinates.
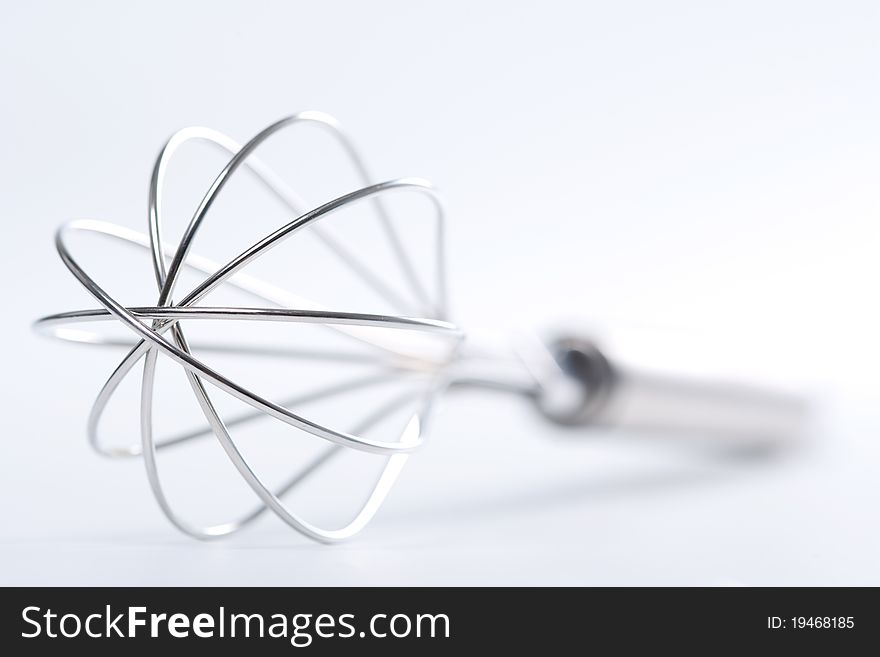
(720, 412)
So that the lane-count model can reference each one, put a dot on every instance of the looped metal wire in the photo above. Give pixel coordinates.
(158, 328)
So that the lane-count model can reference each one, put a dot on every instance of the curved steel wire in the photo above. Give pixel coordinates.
(152, 324)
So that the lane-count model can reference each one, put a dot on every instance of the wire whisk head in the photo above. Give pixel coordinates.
(415, 342)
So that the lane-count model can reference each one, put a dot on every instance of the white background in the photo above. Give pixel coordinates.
(686, 173)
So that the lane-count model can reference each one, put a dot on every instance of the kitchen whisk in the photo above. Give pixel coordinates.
(569, 379)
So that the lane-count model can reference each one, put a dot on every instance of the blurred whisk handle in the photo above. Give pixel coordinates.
(597, 392)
